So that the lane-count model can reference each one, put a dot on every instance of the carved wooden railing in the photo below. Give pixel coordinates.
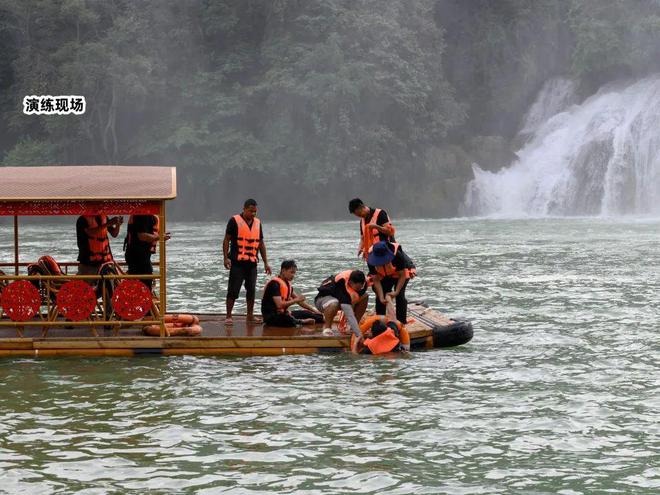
(113, 301)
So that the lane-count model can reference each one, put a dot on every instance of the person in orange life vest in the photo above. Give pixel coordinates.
(383, 334)
(243, 240)
(346, 291)
(375, 225)
(390, 269)
(93, 243)
(279, 296)
(142, 237)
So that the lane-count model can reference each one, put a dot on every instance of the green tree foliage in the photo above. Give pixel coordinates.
(499, 55)
(614, 37)
(301, 103)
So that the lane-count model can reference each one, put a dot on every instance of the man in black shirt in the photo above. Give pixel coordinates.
(140, 243)
(375, 225)
(243, 240)
(279, 296)
(391, 269)
(346, 291)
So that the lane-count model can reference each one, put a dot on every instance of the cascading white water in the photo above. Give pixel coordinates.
(601, 157)
(557, 95)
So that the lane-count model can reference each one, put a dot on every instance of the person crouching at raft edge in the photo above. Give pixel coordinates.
(141, 241)
(279, 296)
(348, 291)
(243, 240)
(391, 270)
(375, 225)
(383, 334)
(93, 243)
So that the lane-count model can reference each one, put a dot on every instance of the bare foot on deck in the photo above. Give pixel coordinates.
(253, 319)
(229, 321)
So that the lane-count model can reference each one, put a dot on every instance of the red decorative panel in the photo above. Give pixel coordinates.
(20, 300)
(76, 300)
(67, 207)
(131, 299)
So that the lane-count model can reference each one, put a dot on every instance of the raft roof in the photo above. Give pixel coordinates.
(87, 183)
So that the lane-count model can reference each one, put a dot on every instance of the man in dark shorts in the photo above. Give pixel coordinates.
(243, 241)
(375, 225)
(390, 269)
(143, 234)
(279, 296)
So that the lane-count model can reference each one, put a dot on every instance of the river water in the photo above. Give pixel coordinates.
(557, 392)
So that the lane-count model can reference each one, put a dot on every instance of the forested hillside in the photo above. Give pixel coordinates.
(304, 103)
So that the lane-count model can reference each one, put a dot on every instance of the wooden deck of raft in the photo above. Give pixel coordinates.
(239, 339)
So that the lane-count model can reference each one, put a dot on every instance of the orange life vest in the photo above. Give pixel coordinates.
(286, 291)
(345, 276)
(99, 245)
(389, 270)
(385, 342)
(248, 239)
(388, 340)
(155, 231)
(129, 233)
(371, 236)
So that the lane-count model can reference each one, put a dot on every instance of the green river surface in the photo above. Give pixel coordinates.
(558, 392)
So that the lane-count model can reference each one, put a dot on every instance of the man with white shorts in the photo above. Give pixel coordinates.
(346, 291)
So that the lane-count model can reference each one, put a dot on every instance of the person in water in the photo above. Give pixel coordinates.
(142, 237)
(93, 243)
(346, 291)
(279, 296)
(391, 270)
(382, 333)
(375, 225)
(243, 241)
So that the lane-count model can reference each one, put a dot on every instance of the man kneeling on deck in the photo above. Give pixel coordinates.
(348, 291)
(279, 295)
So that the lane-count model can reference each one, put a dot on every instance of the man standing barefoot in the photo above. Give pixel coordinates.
(243, 241)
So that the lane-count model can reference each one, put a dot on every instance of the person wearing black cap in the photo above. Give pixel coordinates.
(391, 270)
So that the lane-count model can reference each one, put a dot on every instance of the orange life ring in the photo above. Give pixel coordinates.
(50, 265)
(182, 320)
(174, 331)
(404, 336)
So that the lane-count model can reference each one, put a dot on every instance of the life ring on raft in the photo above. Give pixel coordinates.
(174, 331)
(177, 325)
(181, 320)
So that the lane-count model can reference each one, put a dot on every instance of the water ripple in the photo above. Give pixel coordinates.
(557, 393)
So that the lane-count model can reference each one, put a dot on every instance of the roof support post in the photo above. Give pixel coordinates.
(162, 262)
(15, 244)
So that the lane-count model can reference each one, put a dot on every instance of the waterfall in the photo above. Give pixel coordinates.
(601, 157)
(557, 95)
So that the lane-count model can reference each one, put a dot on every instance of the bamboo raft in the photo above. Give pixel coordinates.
(239, 339)
(51, 312)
